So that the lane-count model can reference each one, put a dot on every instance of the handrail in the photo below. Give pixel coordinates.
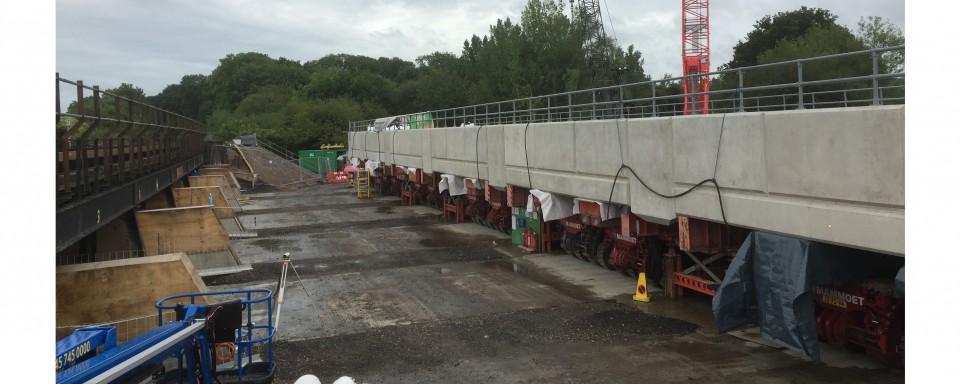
(641, 99)
(244, 157)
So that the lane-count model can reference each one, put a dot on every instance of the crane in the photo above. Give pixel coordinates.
(596, 46)
(695, 30)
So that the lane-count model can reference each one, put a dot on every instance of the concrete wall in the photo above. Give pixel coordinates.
(121, 289)
(200, 197)
(190, 230)
(226, 185)
(832, 175)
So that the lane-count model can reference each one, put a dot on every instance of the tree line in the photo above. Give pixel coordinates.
(304, 105)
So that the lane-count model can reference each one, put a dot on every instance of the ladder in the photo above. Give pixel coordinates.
(363, 183)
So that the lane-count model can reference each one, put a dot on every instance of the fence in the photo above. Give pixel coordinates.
(842, 80)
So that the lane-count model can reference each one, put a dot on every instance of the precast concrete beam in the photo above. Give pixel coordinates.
(799, 173)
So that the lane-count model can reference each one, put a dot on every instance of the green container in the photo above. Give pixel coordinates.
(529, 220)
(320, 161)
(420, 120)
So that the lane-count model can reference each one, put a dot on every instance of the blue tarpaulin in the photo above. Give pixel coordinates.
(770, 280)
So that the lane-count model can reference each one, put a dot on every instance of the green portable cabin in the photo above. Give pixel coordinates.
(320, 161)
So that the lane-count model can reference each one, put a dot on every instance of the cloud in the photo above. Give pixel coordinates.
(154, 43)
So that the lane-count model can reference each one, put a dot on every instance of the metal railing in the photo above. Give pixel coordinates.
(104, 140)
(277, 149)
(97, 257)
(841, 80)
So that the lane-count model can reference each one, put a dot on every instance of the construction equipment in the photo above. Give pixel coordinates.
(867, 317)
(596, 46)
(195, 342)
(695, 53)
(226, 342)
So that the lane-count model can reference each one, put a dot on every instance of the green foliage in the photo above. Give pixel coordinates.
(817, 41)
(103, 104)
(189, 98)
(875, 32)
(302, 106)
(769, 31)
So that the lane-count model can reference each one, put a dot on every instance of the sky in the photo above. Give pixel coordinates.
(152, 44)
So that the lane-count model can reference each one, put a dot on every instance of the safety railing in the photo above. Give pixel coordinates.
(104, 140)
(841, 80)
(96, 257)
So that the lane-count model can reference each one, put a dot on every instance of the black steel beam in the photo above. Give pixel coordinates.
(78, 220)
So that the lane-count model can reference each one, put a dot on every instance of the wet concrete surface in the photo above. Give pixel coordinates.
(387, 293)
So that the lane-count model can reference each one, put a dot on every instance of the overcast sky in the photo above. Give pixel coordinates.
(154, 43)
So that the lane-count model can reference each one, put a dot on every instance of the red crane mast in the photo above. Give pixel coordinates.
(695, 30)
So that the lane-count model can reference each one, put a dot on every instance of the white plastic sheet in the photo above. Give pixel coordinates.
(553, 206)
(453, 183)
(355, 161)
(372, 167)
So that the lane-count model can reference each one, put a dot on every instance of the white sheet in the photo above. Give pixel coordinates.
(372, 167)
(454, 183)
(553, 206)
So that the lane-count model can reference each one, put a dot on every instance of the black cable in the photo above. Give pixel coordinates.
(714, 181)
(476, 150)
(526, 159)
(716, 163)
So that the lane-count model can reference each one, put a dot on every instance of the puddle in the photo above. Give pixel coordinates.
(437, 237)
(275, 245)
(330, 235)
(387, 210)
(567, 289)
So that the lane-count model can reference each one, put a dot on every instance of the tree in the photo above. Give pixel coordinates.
(769, 31)
(817, 41)
(875, 32)
(189, 98)
(238, 75)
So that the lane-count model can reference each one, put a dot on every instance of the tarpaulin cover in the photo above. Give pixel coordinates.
(900, 286)
(607, 211)
(454, 183)
(372, 167)
(553, 206)
(770, 281)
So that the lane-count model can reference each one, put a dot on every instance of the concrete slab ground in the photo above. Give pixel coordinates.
(390, 294)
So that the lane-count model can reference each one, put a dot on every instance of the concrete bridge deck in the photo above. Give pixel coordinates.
(831, 175)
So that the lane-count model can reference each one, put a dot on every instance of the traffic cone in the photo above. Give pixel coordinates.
(642, 294)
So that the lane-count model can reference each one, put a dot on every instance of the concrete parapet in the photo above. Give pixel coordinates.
(831, 175)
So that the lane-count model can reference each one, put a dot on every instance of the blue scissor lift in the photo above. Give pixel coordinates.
(210, 343)
(202, 336)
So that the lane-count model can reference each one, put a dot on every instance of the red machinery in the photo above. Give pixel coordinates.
(866, 317)
(634, 244)
(583, 236)
(498, 216)
(625, 244)
(397, 182)
(477, 206)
